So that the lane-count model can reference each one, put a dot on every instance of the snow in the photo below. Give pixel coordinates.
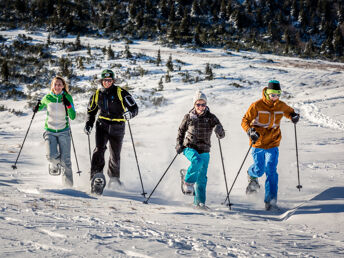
(41, 218)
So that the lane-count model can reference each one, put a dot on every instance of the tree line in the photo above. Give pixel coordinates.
(307, 28)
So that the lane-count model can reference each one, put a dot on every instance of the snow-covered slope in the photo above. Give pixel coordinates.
(41, 218)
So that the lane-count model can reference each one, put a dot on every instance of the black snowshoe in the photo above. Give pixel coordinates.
(186, 188)
(55, 170)
(253, 186)
(98, 183)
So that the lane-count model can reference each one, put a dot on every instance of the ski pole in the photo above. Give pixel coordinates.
(76, 158)
(27, 131)
(89, 147)
(137, 163)
(297, 161)
(146, 201)
(238, 174)
(224, 174)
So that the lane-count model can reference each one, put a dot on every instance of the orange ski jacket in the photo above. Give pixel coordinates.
(265, 116)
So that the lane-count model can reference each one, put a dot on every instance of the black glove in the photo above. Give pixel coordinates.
(220, 133)
(179, 148)
(253, 134)
(88, 129)
(127, 115)
(35, 108)
(65, 101)
(295, 117)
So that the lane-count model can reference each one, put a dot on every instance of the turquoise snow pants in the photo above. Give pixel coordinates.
(265, 160)
(197, 173)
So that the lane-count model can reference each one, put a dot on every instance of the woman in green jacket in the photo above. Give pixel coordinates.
(60, 107)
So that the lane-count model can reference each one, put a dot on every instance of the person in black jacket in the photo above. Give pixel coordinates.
(115, 106)
(193, 141)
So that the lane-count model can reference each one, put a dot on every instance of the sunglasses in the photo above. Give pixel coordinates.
(107, 80)
(201, 105)
(275, 95)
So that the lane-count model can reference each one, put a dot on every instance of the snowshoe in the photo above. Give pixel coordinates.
(114, 181)
(253, 186)
(98, 183)
(187, 188)
(202, 206)
(271, 207)
(55, 170)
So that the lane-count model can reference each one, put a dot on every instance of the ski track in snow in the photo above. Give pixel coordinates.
(40, 218)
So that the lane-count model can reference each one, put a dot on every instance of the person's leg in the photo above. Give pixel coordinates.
(52, 153)
(115, 155)
(102, 137)
(201, 183)
(257, 169)
(64, 141)
(271, 183)
(195, 166)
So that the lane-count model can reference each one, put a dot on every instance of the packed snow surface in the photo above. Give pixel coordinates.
(42, 218)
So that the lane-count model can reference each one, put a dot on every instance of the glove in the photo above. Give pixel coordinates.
(295, 117)
(88, 129)
(253, 134)
(220, 133)
(35, 108)
(127, 115)
(66, 101)
(179, 148)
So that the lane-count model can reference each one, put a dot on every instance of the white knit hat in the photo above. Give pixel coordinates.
(199, 95)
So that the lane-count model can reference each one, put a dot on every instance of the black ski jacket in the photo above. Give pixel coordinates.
(112, 103)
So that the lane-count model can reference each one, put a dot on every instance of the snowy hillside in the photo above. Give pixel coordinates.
(41, 218)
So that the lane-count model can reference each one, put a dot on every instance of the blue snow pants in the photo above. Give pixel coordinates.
(265, 160)
(197, 173)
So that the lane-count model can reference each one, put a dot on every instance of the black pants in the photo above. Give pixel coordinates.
(113, 133)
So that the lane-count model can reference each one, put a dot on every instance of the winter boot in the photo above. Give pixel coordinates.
(98, 183)
(187, 188)
(114, 181)
(271, 206)
(253, 185)
(55, 170)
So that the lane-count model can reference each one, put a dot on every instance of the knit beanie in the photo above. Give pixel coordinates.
(199, 95)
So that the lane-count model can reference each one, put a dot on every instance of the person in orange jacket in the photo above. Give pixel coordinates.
(262, 124)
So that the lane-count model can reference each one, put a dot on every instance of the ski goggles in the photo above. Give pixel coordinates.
(273, 95)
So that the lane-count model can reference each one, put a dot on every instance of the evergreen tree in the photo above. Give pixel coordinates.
(172, 14)
(167, 77)
(160, 85)
(48, 40)
(77, 44)
(338, 42)
(169, 64)
(5, 72)
(89, 50)
(208, 72)
(110, 53)
(158, 58)
(196, 40)
(127, 52)
(309, 49)
(195, 9)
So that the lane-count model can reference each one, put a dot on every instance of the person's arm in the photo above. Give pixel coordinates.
(130, 103)
(181, 134)
(219, 131)
(249, 116)
(68, 102)
(92, 110)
